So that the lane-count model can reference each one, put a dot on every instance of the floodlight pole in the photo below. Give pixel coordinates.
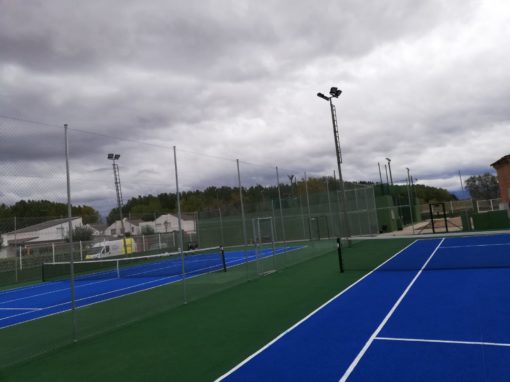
(118, 190)
(389, 168)
(335, 93)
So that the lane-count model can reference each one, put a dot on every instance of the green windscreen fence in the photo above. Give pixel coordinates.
(262, 230)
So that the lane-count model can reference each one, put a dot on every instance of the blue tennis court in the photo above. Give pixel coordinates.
(438, 310)
(44, 299)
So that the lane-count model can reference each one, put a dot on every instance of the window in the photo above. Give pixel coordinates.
(113, 231)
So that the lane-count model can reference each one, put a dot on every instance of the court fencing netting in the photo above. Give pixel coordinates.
(178, 242)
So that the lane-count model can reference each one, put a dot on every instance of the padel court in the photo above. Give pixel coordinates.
(438, 310)
(98, 281)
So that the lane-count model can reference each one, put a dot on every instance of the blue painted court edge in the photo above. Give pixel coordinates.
(40, 300)
(430, 325)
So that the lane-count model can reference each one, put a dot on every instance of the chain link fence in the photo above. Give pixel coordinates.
(210, 222)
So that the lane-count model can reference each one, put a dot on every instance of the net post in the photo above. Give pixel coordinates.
(339, 250)
(222, 250)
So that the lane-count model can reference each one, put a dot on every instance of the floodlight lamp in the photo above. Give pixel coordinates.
(110, 156)
(388, 159)
(117, 156)
(335, 92)
(320, 95)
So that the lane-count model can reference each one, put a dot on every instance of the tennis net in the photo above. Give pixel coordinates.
(454, 252)
(160, 265)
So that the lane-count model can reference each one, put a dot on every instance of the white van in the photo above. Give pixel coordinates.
(110, 248)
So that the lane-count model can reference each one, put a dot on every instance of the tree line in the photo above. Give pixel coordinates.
(30, 212)
(149, 207)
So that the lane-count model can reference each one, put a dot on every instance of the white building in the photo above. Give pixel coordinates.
(48, 231)
(131, 226)
(170, 223)
(97, 229)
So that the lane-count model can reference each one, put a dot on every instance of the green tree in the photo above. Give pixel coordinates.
(147, 230)
(82, 234)
(483, 186)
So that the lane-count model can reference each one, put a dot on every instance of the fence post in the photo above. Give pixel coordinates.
(179, 222)
(70, 234)
(221, 227)
(330, 212)
(308, 207)
(143, 243)
(81, 251)
(245, 238)
(281, 207)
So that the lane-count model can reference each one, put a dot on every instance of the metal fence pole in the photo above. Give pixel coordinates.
(339, 207)
(308, 206)
(376, 223)
(179, 223)
(409, 197)
(70, 235)
(197, 234)
(221, 227)
(245, 238)
(15, 250)
(366, 198)
(281, 206)
(330, 211)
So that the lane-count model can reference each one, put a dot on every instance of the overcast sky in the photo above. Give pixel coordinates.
(425, 83)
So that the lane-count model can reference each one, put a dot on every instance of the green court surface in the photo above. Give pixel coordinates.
(203, 339)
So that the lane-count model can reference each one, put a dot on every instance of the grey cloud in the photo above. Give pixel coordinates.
(237, 79)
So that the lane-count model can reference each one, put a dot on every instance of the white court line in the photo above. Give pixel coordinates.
(385, 320)
(29, 309)
(443, 341)
(475, 245)
(307, 317)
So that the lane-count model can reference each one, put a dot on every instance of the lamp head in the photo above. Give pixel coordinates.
(117, 156)
(320, 95)
(335, 92)
(110, 156)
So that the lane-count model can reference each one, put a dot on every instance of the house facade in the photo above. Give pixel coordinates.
(56, 230)
(502, 167)
(130, 225)
(170, 223)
